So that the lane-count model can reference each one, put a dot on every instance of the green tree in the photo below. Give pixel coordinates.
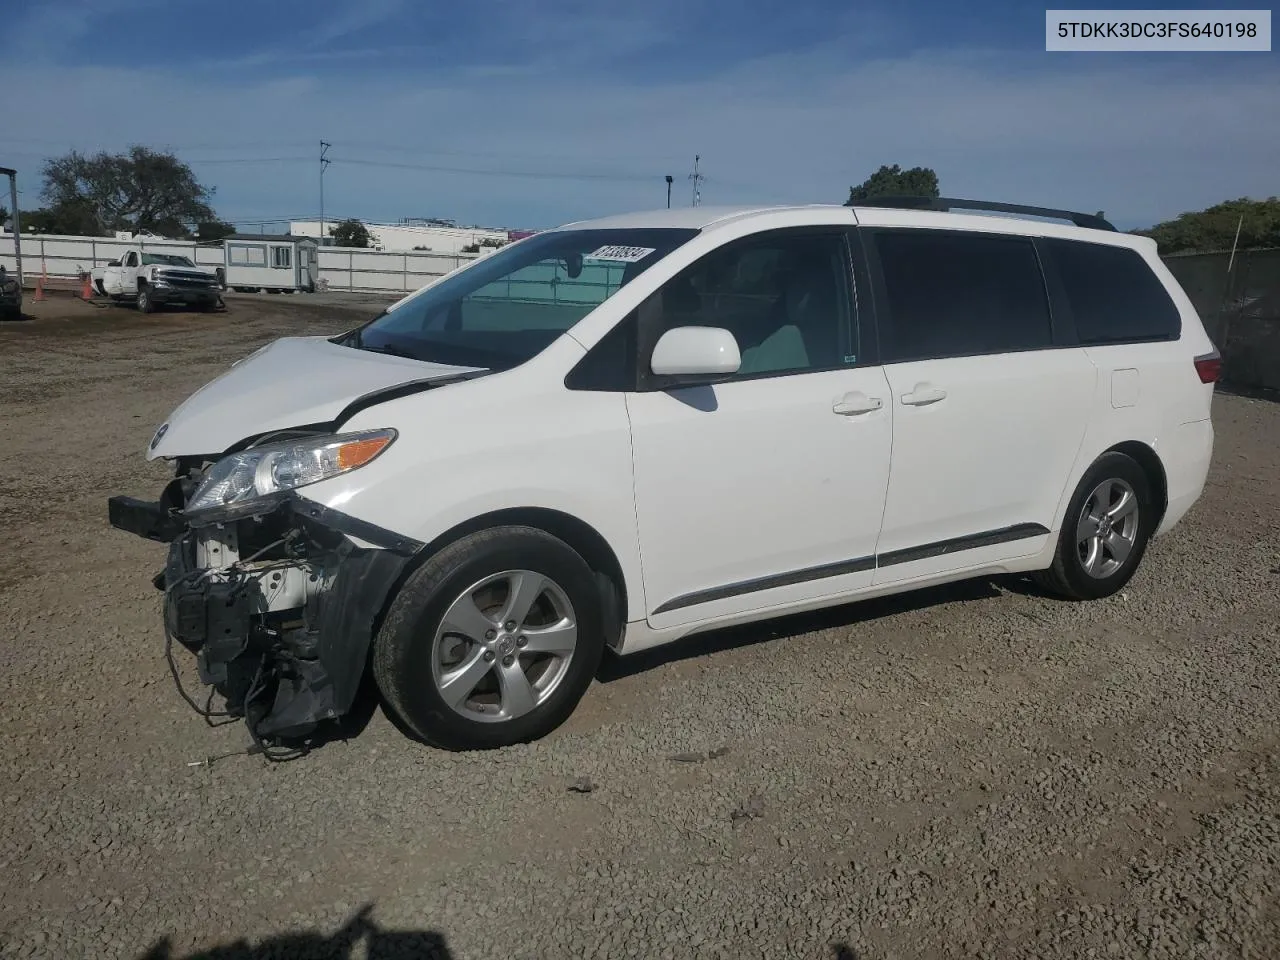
(1215, 227)
(74, 218)
(210, 231)
(351, 233)
(140, 189)
(895, 182)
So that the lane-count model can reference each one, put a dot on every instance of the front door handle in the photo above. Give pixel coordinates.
(852, 404)
(923, 394)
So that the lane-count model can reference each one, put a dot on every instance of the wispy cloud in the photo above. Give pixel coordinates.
(316, 42)
(799, 116)
(48, 31)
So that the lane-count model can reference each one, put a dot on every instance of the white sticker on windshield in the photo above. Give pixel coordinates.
(620, 254)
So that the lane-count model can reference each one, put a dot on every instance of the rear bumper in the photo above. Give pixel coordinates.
(1187, 454)
(283, 640)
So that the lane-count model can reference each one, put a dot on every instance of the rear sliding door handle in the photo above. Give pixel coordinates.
(923, 394)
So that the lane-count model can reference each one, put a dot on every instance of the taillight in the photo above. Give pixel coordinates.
(1209, 367)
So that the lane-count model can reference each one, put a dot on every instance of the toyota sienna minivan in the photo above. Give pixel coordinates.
(618, 433)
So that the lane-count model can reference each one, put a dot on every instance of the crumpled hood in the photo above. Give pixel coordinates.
(289, 383)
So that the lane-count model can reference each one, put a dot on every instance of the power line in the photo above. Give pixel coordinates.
(203, 161)
(376, 147)
(618, 176)
(528, 174)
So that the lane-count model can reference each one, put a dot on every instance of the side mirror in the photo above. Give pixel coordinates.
(696, 351)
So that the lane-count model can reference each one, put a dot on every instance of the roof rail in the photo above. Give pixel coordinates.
(943, 204)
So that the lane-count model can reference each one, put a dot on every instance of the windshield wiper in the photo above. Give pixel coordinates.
(387, 349)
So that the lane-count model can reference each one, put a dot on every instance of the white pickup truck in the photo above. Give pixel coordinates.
(156, 279)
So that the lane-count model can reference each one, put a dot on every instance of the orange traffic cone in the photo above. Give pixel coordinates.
(86, 286)
(40, 287)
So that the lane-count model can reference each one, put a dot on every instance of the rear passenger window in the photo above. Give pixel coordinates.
(1113, 294)
(955, 294)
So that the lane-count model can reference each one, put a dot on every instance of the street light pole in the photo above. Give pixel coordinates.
(324, 147)
(669, 179)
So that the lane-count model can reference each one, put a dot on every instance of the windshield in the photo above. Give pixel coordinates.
(168, 259)
(510, 306)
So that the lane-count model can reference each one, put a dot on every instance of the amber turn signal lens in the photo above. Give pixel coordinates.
(359, 452)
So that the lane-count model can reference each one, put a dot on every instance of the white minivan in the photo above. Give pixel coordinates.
(621, 432)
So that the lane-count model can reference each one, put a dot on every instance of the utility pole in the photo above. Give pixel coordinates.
(670, 178)
(323, 163)
(697, 178)
(17, 227)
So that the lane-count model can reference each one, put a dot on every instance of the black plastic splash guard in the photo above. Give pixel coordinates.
(143, 518)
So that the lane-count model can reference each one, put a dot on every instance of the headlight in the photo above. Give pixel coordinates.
(236, 483)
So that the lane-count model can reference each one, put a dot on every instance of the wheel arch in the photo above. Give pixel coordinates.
(589, 543)
(1151, 464)
(1142, 453)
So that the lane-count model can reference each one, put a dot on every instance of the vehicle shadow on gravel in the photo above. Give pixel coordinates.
(1249, 393)
(358, 937)
(846, 615)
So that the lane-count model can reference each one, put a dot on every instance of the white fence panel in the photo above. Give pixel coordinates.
(340, 268)
(62, 256)
(433, 265)
(350, 268)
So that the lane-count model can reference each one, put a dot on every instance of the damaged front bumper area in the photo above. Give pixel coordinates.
(279, 608)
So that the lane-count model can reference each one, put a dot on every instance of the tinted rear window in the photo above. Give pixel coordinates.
(957, 294)
(1112, 293)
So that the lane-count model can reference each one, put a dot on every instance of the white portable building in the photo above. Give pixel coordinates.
(274, 262)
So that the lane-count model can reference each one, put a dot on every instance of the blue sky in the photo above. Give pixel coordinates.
(529, 114)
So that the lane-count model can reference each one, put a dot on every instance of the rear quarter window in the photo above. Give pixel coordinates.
(952, 294)
(1112, 293)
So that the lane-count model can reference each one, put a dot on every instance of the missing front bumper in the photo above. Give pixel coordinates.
(283, 640)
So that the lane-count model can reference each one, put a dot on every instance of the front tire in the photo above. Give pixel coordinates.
(492, 642)
(1105, 532)
(146, 302)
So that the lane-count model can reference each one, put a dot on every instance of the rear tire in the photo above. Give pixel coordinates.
(450, 673)
(1105, 532)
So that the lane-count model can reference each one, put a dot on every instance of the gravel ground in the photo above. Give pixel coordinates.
(975, 771)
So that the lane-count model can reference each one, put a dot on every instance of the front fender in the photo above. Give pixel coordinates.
(564, 451)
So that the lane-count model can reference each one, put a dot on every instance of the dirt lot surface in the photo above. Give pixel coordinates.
(976, 771)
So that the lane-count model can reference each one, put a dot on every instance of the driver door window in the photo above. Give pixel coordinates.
(784, 297)
(131, 260)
